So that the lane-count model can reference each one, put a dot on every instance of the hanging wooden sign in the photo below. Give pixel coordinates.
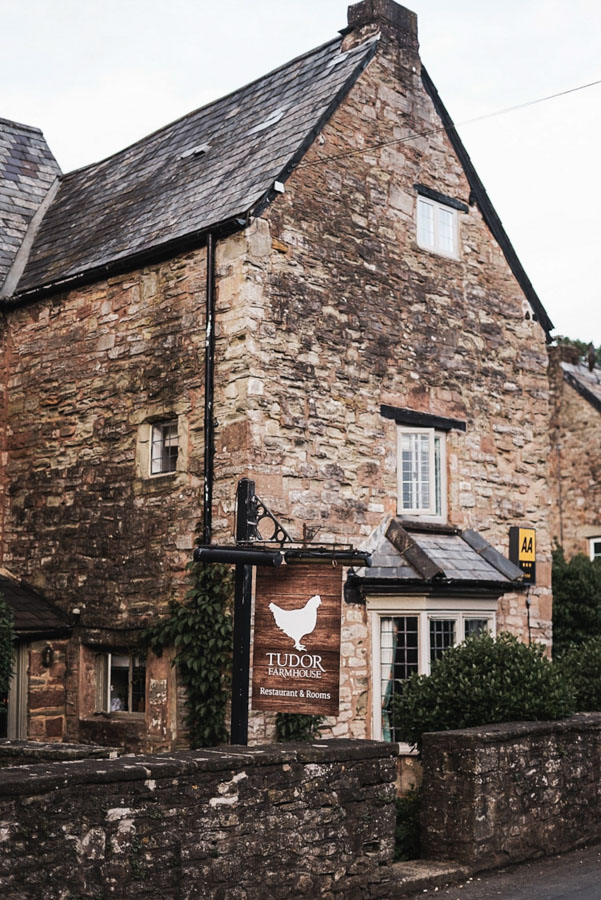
(296, 657)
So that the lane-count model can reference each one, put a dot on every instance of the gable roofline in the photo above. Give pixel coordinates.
(194, 112)
(236, 220)
(489, 213)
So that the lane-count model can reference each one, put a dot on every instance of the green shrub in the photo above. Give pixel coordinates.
(294, 727)
(480, 681)
(576, 600)
(406, 835)
(581, 667)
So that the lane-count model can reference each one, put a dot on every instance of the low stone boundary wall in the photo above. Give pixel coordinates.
(26, 753)
(506, 793)
(278, 821)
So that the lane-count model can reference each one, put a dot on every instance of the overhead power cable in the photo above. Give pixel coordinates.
(420, 134)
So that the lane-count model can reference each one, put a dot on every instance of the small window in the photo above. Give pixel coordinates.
(437, 227)
(120, 683)
(421, 473)
(595, 547)
(164, 447)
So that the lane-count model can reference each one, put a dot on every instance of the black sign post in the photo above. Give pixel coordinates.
(242, 607)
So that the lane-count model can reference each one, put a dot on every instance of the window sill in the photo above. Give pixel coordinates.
(117, 716)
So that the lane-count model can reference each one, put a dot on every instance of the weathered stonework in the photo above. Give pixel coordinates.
(575, 460)
(326, 308)
(500, 794)
(298, 821)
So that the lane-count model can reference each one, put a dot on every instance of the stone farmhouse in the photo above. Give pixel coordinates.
(380, 371)
(575, 453)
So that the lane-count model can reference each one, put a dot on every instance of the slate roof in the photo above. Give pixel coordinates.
(32, 613)
(27, 169)
(160, 190)
(587, 383)
(455, 557)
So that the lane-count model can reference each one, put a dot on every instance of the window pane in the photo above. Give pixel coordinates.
(415, 471)
(446, 230)
(425, 223)
(442, 636)
(138, 686)
(596, 549)
(164, 448)
(119, 691)
(398, 660)
(437, 476)
(475, 626)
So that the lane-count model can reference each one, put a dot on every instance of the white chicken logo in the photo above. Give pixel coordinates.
(297, 623)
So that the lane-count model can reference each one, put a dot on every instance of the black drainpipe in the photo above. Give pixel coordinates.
(209, 424)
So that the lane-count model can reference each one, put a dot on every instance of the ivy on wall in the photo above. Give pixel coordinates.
(7, 649)
(200, 630)
(295, 727)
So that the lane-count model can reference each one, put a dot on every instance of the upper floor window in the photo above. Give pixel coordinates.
(437, 227)
(421, 473)
(595, 547)
(164, 447)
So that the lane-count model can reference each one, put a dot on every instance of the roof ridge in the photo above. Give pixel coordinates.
(21, 125)
(198, 109)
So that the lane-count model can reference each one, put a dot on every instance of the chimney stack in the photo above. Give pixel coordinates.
(397, 24)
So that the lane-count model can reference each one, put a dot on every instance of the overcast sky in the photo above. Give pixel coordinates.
(96, 76)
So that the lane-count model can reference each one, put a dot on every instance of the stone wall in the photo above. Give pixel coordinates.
(504, 793)
(575, 460)
(276, 821)
(27, 753)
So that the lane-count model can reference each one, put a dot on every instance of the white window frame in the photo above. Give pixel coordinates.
(591, 547)
(425, 609)
(103, 684)
(429, 513)
(157, 438)
(435, 246)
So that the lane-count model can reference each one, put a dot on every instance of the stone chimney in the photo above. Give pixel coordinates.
(396, 24)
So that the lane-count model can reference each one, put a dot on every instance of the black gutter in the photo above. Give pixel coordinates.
(356, 588)
(209, 419)
(488, 211)
(128, 263)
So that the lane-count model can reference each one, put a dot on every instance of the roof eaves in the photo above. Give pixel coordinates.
(486, 207)
(128, 261)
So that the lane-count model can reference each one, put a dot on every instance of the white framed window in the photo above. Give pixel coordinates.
(437, 227)
(164, 447)
(421, 473)
(120, 683)
(594, 544)
(408, 636)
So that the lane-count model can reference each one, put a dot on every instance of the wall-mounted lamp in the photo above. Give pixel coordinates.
(47, 656)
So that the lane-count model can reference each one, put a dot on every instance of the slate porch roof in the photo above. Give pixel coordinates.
(587, 383)
(160, 190)
(445, 557)
(33, 615)
(27, 169)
